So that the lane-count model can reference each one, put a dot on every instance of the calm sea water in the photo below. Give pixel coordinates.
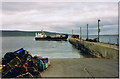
(50, 49)
(114, 39)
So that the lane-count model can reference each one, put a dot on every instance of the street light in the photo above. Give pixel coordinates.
(72, 31)
(80, 33)
(87, 31)
(98, 29)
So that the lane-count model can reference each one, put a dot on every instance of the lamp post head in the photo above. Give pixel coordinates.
(98, 20)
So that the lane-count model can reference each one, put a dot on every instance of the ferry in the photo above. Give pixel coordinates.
(43, 36)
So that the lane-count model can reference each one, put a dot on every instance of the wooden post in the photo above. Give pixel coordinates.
(87, 31)
(80, 33)
(72, 31)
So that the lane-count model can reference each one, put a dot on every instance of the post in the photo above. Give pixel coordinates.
(87, 31)
(72, 31)
(98, 29)
(80, 33)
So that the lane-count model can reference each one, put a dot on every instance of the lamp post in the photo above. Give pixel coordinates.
(80, 33)
(87, 31)
(98, 29)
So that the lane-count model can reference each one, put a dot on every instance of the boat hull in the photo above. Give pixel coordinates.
(51, 39)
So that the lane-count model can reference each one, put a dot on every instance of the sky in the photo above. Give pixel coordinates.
(61, 17)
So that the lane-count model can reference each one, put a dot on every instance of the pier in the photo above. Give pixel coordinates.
(104, 65)
(82, 68)
(97, 49)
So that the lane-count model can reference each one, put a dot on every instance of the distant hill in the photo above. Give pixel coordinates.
(24, 33)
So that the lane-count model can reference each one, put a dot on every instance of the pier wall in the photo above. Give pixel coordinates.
(97, 49)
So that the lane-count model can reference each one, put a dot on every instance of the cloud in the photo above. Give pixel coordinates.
(110, 26)
(58, 16)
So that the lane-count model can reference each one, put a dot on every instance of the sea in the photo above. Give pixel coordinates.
(50, 49)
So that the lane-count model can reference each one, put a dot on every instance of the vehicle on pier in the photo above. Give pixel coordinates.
(75, 36)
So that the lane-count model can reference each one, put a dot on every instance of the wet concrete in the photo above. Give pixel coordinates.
(85, 67)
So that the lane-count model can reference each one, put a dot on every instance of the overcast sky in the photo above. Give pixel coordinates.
(61, 17)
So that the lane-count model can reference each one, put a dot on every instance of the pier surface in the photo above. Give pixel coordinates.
(82, 67)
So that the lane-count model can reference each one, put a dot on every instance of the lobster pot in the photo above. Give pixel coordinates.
(10, 66)
(45, 60)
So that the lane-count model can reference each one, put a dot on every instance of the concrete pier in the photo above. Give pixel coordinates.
(82, 67)
(106, 65)
(97, 49)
